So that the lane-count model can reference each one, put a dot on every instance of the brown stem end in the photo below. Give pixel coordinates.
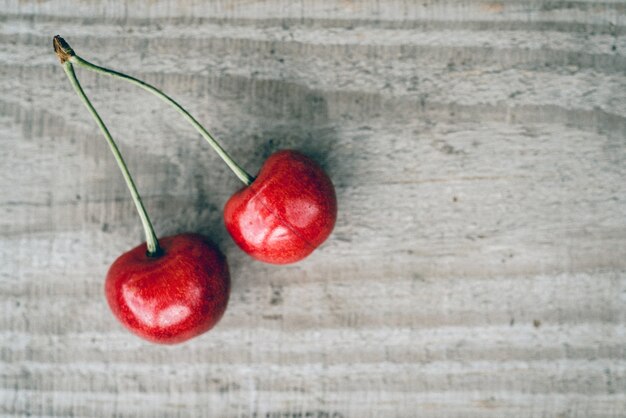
(63, 50)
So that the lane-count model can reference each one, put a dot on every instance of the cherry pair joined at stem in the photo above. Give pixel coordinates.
(279, 217)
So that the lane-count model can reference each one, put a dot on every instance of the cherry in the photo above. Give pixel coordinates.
(169, 291)
(281, 216)
(173, 297)
(287, 212)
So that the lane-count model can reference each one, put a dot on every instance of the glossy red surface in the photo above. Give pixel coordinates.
(287, 212)
(173, 297)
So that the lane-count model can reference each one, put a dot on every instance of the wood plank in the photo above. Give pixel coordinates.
(478, 265)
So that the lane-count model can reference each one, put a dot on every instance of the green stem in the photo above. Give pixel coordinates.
(246, 178)
(151, 239)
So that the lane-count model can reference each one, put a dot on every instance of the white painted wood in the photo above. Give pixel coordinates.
(478, 266)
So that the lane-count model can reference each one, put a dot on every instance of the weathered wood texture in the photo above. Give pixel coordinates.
(478, 267)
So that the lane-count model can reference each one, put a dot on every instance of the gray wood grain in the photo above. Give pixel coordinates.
(478, 266)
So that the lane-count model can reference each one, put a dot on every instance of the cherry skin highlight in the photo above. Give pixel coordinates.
(172, 297)
(286, 213)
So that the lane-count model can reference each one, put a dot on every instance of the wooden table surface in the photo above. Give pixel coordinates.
(478, 148)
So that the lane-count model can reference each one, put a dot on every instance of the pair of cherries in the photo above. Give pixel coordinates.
(170, 290)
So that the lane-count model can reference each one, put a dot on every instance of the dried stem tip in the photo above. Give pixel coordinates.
(63, 50)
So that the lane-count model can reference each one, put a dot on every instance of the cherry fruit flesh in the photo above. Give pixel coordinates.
(286, 213)
(174, 296)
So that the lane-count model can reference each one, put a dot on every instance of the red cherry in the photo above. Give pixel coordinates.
(174, 296)
(286, 213)
(168, 291)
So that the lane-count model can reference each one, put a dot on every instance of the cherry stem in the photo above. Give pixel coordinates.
(246, 178)
(64, 52)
